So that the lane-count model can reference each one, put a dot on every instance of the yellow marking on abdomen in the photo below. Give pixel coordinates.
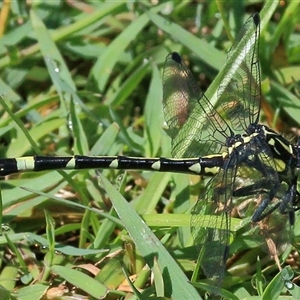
(196, 168)
(71, 163)
(156, 166)
(25, 163)
(114, 164)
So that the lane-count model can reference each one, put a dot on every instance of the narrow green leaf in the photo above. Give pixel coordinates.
(154, 114)
(50, 233)
(104, 65)
(84, 20)
(36, 291)
(82, 281)
(65, 249)
(24, 143)
(50, 51)
(150, 247)
(104, 144)
(213, 57)
(128, 86)
(152, 194)
(158, 279)
(8, 92)
(81, 142)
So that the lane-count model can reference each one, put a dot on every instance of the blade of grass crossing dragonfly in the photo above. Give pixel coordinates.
(147, 243)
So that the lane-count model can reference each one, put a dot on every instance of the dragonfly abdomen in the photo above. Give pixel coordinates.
(206, 166)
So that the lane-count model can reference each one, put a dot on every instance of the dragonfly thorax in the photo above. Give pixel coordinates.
(234, 141)
(238, 143)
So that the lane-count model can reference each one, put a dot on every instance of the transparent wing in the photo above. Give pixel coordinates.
(186, 110)
(248, 182)
(196, 128)
(210, 225)
(239, 93)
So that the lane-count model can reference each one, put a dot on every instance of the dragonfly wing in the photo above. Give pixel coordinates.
(195, 126)
(240, 91)
(210, 224)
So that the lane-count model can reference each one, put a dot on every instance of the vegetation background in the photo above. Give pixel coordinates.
(85, 78)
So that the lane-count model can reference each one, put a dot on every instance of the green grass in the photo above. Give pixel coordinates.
(87, 80)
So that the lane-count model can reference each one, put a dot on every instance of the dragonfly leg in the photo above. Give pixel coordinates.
(289, 201)
(258, 215)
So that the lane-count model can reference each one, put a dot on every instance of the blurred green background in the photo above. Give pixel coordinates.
(85, 78)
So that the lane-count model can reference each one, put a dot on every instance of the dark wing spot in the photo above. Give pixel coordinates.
(256, 19)
(176, 57)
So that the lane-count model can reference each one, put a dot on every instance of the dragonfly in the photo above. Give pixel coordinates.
(245, 160)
